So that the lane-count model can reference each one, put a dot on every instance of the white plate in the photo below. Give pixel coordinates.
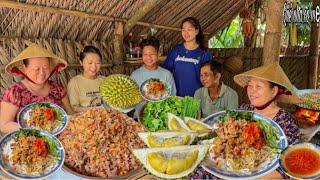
(143, 88)
(23, 117)
(5, 150)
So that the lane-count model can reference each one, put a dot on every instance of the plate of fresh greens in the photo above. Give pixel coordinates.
(154, 115)
(43, 116)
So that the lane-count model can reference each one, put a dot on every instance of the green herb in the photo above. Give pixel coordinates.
(190, 107)
(59, 113)
(42, 105)
(51, 145)
(155, 114)
(154, 80)
(32, 132)
(270, 134)
(236, 115)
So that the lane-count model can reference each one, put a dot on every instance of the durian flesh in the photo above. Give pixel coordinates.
(173, 165)
(173, 162)
(177, 124)
(204, 130)
(169, 142)
(120, 91)
(197, 126)
(167, 138)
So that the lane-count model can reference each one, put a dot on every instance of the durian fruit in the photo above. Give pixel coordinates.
(167, 139)
(177, 124)
(120, 91)
(173, 162)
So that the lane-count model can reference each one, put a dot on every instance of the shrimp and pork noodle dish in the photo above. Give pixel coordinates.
(156, 89)
(32, 153)
(243, 144)
(44, 117)
(99, 142)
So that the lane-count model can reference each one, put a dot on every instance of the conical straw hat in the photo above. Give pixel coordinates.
(15, 67)
(272, 73)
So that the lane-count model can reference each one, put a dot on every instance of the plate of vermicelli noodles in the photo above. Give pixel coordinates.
(30, 154)
(247, 146)
(43, 116)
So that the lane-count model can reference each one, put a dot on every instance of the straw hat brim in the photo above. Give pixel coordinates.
(35, 51)
(272, 73)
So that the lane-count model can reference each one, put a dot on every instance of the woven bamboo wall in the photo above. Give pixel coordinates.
(294, 62)
(69, 50)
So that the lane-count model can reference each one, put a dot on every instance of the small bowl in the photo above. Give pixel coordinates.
(292, 147)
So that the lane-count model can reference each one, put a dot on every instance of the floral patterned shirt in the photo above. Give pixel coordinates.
(19, 95)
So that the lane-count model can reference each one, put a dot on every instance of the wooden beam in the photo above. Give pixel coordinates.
(53, 10)
(273, 32)
(314, 52)
(66, 12)
(142, 11)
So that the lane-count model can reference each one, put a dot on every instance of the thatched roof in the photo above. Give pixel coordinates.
(95, 19)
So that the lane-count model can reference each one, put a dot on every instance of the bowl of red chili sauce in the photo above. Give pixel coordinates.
(301, 161)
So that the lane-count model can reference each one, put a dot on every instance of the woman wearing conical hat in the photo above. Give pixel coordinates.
(264, 85)
(36, 65)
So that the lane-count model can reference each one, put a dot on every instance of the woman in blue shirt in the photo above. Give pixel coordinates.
(185, 58)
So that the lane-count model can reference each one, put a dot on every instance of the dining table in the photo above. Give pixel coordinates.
(141, 173)
(61, 174)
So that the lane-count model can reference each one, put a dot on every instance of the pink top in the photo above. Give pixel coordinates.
(19, 95)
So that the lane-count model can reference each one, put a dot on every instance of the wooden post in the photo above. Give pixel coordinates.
(118, 42)
(272, 38)
(314, 52)
(118, 47)
(146, 7)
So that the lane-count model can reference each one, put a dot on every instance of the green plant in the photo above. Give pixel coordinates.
(230, 37)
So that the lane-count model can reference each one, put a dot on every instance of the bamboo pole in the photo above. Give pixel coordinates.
(293, 28)
(314, 52)
(142, 11)
(53, 10)
(272, 38)
(66, 12)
